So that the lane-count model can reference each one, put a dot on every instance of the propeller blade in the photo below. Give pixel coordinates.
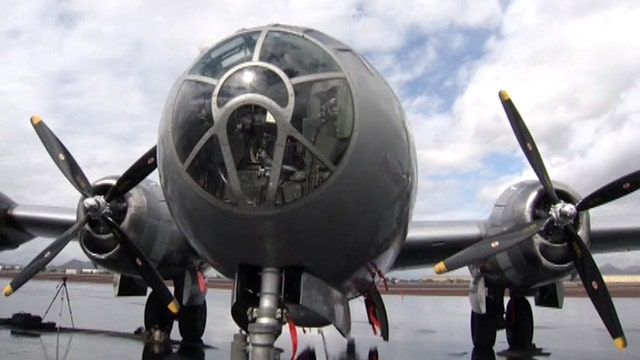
(62, 157)
(612, 191)
(582, 259)
(595, 286)
(144, 166)
(490, 246)
(144, 267)
(528, 145)
(44, 258)
(71, 170)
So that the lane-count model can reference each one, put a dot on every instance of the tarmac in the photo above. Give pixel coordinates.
(437, 286)
(422, 327)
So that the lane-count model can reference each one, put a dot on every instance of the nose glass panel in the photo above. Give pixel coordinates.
(254, 80)
(302, 172)
(284, 119)
(208, 170)
(252, 134)
(192, 116)
(323, 114)
(296, 55)
(221, 58)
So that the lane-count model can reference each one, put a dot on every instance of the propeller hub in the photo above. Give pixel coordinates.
(95, 206)
(563, 213)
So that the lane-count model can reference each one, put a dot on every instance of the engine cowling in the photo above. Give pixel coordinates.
(143, 215)
(544, 259)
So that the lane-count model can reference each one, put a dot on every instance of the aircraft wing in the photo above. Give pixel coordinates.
(614, 233)
(429, 242)
(22, 223)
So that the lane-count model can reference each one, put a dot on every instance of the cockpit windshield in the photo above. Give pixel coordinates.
(272, 124)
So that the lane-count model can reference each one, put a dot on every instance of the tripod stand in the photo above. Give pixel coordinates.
(63, 295)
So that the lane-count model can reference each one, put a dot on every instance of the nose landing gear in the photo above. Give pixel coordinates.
(268, 323)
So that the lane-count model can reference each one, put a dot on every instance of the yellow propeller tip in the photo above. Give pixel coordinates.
(35, 119)
(620, 342)
(8, 290)
(174, 307)
(504, 96)
(440, 268)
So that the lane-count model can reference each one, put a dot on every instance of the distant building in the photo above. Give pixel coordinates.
(10, 267)
(75, 266)
(92, 271)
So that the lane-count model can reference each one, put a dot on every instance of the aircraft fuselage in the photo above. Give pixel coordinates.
(283, 147)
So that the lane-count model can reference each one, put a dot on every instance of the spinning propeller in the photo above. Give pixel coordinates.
(96, 207)
(561, 215)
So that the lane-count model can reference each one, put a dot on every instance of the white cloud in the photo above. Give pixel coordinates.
(574, 83)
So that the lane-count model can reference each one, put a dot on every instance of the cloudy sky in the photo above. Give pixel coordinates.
(99, 74)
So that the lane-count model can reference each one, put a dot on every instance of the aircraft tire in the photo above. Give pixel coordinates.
(519, 323)
(483, 354)
(192, 321)
(156, 315)
(484, 326)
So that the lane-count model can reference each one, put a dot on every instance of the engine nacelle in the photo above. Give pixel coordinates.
(544, 258)
(143, 215)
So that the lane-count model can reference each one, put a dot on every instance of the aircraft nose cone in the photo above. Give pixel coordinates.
(262, 119)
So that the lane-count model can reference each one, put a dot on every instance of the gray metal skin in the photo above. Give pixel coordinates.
(147, 222)
(342, 232)
(22, 223)
(539, 261)
(150, 225)
(532, 264)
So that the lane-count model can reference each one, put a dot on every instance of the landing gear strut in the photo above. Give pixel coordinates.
(267, 326)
